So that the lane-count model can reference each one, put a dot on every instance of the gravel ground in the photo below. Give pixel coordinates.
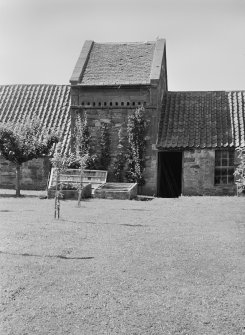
(166, 266)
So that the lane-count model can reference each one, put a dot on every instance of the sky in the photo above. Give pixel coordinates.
(40, 40)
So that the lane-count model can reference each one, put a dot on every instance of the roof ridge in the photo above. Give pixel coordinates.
(12, 85)
(125, 43)
(209, 91)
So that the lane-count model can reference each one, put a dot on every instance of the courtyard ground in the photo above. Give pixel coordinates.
(166, 266)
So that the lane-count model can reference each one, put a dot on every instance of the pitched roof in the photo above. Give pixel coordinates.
(119, 64)
(50, 103)
(202, 120)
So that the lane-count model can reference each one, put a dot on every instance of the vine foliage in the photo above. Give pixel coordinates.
(136, 130)
(105, 157)
(240, 171)
(119, 163)
(82, 142)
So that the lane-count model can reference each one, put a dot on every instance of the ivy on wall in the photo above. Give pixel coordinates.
(82, 134)
(83, 146)
(240, 171)
(136, 129)
(120, 161)
(130, 157)
(105, 157)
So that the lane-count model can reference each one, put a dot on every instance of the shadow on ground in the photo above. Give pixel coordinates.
(45, 256)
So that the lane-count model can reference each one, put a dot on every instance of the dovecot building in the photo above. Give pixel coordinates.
(191, 137)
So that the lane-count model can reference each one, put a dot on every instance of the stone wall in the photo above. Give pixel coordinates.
(34, 174)
(198, 174)
(113, 106)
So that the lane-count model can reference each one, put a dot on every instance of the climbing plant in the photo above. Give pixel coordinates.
(82, 143)
(240, 171)
(136, 129)
(119, 163)
(105, 142)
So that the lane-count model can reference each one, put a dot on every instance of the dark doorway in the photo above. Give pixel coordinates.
(169, 174)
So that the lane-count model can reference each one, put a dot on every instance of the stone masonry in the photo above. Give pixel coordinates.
(113, 104)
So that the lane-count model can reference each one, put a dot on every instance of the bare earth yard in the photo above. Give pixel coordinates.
(167, 266)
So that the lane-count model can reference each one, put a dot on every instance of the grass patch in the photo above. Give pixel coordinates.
(180, 271)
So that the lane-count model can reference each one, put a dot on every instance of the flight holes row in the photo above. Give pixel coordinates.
(105, 104)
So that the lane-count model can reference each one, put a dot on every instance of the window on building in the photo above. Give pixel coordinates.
(224, 167)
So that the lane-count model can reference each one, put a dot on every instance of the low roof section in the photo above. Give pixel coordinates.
(202, 120)
(49, 103)
(117, 64)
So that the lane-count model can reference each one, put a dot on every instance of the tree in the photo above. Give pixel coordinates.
(23, 141)
(60, 164)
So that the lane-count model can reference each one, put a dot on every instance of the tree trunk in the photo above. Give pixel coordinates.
(17, 185)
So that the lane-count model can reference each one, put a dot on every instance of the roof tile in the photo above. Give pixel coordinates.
(119, 64)
(207, 119)
(50, 103)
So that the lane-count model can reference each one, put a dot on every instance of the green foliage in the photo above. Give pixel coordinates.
(105, 142)
(136, 129)
(240, 171)
(59, 161)
(21, 142)
(82, 136)
(119, 163)
(83, 146)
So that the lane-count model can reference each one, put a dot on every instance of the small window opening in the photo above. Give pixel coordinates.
(139, 103)
(224, 167)
(122, 103)
(99, 103)
(116, 103)
(104, 103)
(128, 103)
(133, 103)
(93, 103)
(82, 103)
(110, 103)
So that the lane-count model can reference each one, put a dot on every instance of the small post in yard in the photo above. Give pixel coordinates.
(80, 188)
(83, 162)
(57, 198)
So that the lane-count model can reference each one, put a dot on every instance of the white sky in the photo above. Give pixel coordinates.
(40, 40)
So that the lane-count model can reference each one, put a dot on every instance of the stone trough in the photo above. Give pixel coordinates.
(116, 191)
(72, 194)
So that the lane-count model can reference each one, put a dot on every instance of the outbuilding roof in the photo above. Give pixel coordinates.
(116, 64)
(50, 103)
(202, 120)
(119, 63)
